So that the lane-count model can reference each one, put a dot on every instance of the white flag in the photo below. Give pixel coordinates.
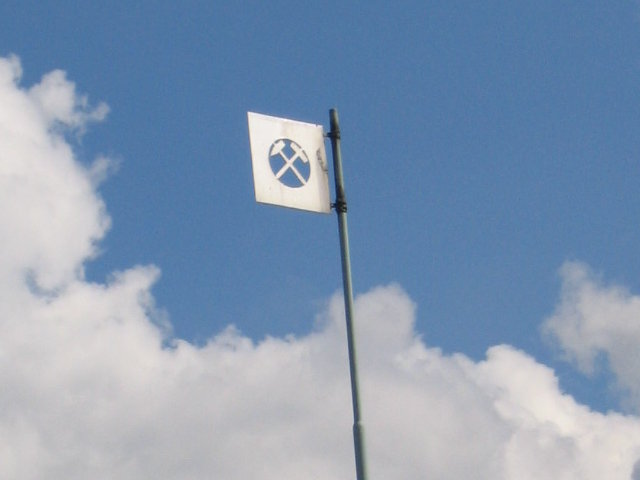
(289, 163)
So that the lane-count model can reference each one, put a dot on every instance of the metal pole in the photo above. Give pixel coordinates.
(341, 210)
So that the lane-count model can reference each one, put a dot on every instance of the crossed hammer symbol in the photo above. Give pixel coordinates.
(289, 163)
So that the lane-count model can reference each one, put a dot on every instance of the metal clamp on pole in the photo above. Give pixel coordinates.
(341, 209)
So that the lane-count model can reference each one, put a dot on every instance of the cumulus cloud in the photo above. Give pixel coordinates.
(51, 217)
(94, 387)
(598, 326)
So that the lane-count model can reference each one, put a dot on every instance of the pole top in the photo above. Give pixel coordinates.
(334, 124)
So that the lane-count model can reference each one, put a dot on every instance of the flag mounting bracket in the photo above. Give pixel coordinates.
(334, 133)
(340, 205)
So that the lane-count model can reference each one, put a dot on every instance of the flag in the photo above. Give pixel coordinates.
(289, 163)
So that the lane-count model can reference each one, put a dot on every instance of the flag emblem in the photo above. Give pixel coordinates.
(289, 163)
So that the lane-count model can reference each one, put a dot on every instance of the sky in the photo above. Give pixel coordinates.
(156, 322)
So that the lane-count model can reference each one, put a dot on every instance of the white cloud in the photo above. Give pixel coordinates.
(51, 216)
(595, 322)
(89, 391)
(56, 99)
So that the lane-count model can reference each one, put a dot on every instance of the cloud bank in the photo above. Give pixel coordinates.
(93, 386)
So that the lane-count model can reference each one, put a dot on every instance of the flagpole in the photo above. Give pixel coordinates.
(341, 209)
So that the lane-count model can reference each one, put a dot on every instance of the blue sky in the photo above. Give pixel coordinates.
(484, 144)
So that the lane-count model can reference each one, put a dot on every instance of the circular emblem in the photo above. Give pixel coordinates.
(289, 162)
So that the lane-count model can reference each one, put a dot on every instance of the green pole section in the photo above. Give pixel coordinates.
(341, 210)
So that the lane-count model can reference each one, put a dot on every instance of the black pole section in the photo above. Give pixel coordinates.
(341, 210)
